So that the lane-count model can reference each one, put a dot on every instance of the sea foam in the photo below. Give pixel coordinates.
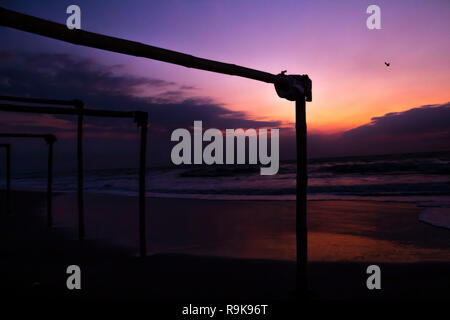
(436, 216)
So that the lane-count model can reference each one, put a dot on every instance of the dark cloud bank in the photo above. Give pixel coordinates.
(113, 143)
(421, 129)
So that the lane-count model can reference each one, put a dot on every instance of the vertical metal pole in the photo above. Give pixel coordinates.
(81, 231)
(302, 182)
(142, 122)
(8, 178)
(5, 190)
(50, 184)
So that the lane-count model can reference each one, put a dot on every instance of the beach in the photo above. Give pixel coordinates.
(174, 140)
(212, 249)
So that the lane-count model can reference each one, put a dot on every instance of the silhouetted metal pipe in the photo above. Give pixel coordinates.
(80, 184)
(50, 183)
(43, 101)
(27, 135)
(58, 31)
(302, 183)
(8, 177)
(68, 111)
(141, 118)
(142, 122)
(50, 139)
(61, 32)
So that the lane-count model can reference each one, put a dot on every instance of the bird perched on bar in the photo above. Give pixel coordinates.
(387, 64)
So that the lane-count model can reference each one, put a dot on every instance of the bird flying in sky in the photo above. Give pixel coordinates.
(387, 64)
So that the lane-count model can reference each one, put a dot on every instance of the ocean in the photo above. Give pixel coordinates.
(419, 177)
(423, 178)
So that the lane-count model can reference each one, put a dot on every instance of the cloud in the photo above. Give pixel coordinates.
(428, 119)
(421, 129)
(114, 142)
(66, 75)
(63, 76)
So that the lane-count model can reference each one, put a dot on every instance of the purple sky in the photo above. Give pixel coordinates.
(326, 39)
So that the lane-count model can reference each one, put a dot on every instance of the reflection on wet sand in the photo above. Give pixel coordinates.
(352, 231)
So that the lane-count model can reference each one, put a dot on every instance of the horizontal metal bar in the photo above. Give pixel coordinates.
(74, 103)
(67, 111)
(49, 138)
(58, 31)
(24, 135)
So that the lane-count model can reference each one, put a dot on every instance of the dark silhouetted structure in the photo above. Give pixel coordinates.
(8, 175)
(50, 139)
(141, 118)
(291, 87)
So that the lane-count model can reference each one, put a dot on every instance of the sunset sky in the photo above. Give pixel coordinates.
(328, 40)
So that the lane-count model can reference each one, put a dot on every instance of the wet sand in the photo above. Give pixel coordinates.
(206, 249)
